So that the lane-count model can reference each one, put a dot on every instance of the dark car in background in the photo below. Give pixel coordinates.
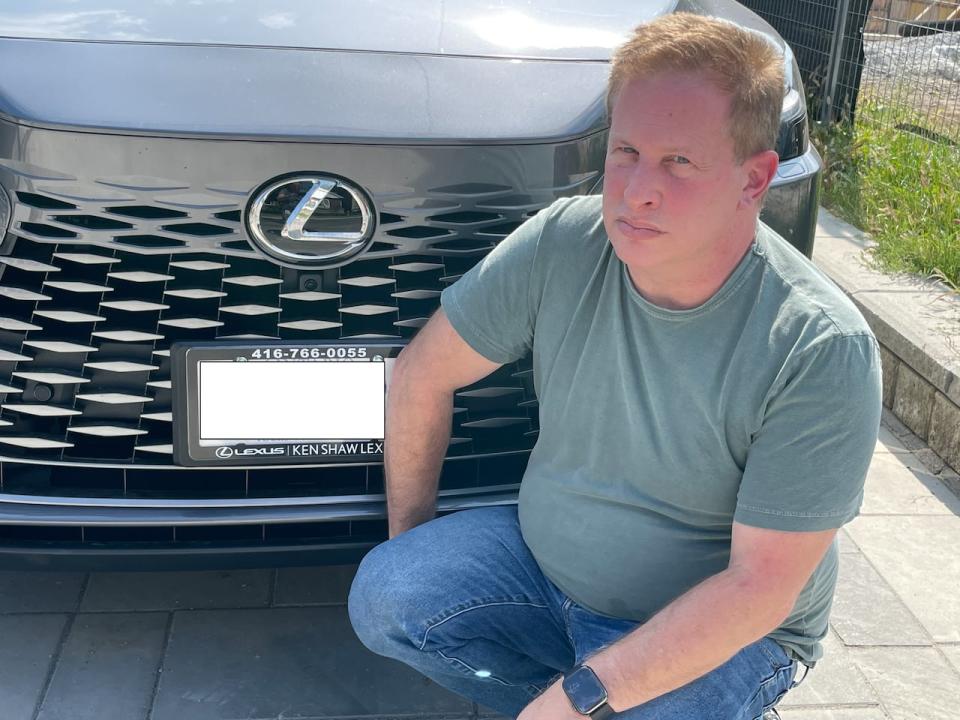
(275, 182)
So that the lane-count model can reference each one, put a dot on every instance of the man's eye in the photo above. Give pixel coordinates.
(679, 160)
(625, 149)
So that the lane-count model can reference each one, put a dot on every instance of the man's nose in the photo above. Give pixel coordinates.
(642, 189)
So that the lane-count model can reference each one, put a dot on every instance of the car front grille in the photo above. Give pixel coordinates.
(85, 337)
(162, 219)
(101, 272)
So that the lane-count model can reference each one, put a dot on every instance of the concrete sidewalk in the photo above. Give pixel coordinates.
(277, 644)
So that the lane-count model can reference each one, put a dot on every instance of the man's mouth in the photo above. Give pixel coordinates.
(633, 228)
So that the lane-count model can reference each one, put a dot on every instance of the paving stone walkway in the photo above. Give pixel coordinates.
(272, 644)
(894, 645)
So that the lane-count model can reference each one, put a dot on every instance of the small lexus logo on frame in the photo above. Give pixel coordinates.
(310, 220)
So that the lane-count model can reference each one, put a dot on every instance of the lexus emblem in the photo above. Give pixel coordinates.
(224, 451)
(310, 220)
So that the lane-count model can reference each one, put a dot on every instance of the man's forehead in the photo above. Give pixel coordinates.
(687, 107)
(673, 87)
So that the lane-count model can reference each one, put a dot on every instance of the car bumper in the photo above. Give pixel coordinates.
(244, 538)
(793, 199)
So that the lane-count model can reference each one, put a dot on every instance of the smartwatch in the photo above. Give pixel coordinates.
(587, 694)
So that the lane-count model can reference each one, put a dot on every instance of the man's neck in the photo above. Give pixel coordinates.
(685, 287)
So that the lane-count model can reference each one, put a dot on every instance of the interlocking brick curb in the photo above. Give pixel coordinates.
(917, 322)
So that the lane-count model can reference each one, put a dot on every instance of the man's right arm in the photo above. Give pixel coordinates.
(419, 410)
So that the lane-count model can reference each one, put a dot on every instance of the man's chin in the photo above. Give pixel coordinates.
(639, 253)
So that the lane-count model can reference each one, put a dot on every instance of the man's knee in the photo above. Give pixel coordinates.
(379, 599)
(404, 582)
(366, 601)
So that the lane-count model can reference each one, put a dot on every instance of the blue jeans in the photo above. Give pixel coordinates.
(462, 600)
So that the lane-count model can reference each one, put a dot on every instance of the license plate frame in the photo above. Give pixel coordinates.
(203, 374)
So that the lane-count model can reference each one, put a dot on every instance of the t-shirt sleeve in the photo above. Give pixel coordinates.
(806, 466)
(493, 307)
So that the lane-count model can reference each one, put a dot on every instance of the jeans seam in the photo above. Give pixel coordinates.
(771, 705)
(565, 615)
(763, 684)
(477, 606)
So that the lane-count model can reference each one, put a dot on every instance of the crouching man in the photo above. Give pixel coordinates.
(709, 403)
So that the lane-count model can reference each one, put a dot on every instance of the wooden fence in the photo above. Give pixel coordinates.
(887, 16)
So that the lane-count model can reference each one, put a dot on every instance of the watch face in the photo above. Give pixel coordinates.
(585, 690)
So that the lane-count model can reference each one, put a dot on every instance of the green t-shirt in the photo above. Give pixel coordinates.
(659, 428)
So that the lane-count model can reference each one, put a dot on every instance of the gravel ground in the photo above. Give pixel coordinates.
(922, 72)
(934, 57)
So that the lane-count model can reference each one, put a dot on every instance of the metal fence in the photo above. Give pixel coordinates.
(898, 59)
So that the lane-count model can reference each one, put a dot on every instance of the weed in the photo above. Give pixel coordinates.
(900, 184)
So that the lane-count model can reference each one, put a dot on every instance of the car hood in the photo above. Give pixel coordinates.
(561, 29)
(363, 71)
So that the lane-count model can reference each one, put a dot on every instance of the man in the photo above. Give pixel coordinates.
(709, 403)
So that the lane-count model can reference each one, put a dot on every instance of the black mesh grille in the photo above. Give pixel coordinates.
(85, 336)
(90, 302)
(99, 276)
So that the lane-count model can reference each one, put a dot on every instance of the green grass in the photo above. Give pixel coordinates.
(901, 188)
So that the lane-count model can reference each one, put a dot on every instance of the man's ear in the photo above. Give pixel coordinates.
(758, 172)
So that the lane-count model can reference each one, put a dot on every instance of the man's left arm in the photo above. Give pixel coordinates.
(802, 481)
(705, 626)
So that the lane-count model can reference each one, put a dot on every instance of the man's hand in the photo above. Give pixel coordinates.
(551, 704)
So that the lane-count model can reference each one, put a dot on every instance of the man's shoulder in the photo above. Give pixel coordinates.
(803, 294)
(570, 222)
(576, 209)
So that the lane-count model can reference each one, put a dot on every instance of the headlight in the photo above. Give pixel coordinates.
(792, 140)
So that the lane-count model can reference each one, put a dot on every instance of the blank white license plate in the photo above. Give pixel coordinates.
(290, 401)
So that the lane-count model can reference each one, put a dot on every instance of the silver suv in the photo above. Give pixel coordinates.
(188, 184)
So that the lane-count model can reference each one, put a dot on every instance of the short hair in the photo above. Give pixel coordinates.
(742, 63)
